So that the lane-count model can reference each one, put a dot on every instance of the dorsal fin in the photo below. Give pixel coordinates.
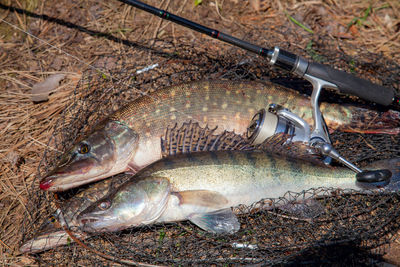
(190, 137)
(278, 145)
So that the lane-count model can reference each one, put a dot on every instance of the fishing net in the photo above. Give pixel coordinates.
(337, 225)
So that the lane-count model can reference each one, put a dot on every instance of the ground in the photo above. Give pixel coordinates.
(40, 38)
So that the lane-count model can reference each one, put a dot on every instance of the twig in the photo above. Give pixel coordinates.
(4, 244)
(298, 23)
(368, 144)
(219, 14)
(40, 143)
(393, 37)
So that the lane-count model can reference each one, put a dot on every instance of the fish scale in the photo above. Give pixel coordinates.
(208, 170)
(223, 104)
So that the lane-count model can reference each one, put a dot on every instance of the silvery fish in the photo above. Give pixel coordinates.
(129, 139)
(202, 188)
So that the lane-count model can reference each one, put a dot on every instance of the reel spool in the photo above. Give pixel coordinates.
(277, 119)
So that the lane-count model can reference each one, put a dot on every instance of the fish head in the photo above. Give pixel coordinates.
(103, 153)
(132, 204)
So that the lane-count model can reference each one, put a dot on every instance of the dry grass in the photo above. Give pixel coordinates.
(25, 127)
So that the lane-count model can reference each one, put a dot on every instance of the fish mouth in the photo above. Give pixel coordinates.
(54, 185)
(71, 176)
(87, 220)
(49, 240)
(91, 224)
(46, 184)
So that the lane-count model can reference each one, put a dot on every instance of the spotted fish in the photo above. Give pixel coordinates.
(129, 139)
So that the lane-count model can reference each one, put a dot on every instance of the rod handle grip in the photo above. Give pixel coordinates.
(349, 84)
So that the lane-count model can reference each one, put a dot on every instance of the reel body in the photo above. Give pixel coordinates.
(277, 119)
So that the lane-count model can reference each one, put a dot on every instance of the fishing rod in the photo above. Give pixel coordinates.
(277, 119)
(324, 75)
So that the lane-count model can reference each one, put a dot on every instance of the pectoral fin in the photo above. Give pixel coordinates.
(218, 222)
(212, 214)
(204, 198)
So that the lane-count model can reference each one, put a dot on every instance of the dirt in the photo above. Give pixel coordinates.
(41, 38)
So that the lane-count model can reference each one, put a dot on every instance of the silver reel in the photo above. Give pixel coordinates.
(277, 119)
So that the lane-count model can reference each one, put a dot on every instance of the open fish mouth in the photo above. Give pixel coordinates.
(52, 183)
(89, 223)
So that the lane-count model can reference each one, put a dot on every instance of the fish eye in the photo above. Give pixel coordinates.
(104, 205)
(84, 148)
(53, 219)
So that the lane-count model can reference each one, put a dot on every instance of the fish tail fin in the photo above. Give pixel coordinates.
(373, 122)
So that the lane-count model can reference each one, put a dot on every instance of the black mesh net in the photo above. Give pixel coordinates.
(337, 225)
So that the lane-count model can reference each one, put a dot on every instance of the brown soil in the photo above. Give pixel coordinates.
(71, 35)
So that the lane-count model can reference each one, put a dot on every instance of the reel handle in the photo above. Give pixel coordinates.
(362, 176)
(374, 176)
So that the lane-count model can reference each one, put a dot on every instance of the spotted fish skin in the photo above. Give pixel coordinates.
(129, 139)
(229, 106)
(201, 187)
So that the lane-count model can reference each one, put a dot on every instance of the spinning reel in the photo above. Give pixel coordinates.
(278, 119)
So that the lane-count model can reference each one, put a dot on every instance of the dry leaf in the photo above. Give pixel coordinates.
(41, 91)
(12, 157)
(354, 31)
(255, 4)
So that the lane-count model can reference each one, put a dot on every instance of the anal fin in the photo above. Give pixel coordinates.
(218, 222)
